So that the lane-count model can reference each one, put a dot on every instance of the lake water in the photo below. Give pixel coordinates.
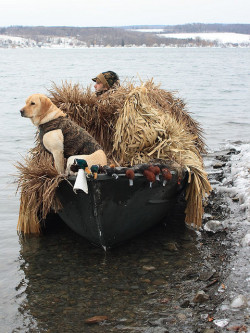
(61, 272)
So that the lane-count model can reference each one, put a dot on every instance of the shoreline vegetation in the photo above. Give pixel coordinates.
(188, 35)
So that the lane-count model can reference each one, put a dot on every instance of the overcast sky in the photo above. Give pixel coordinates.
(96, 13)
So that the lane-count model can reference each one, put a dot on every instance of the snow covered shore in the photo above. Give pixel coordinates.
(233, 189)
(219, 40)
(223, 37)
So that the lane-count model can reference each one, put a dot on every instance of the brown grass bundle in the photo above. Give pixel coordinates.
(38, 180)
(167, 102)
(144, 133)
(98, 115)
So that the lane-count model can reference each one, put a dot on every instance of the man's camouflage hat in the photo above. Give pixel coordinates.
(106, 78)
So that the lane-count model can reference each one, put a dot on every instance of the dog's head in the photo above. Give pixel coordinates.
(36, 107)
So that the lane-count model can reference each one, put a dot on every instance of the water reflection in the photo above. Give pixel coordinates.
(68, 280)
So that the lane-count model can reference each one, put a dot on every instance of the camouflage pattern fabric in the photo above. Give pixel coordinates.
(110, 77)
(77, 141)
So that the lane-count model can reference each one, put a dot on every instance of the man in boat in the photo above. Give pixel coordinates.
(105, 81)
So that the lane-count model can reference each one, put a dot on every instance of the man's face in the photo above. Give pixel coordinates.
(99, 87)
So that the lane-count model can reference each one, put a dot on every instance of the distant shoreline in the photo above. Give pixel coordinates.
(122, 47)
(190, 35)
(56, 43)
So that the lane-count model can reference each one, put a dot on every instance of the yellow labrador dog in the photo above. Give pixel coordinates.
(60, 136)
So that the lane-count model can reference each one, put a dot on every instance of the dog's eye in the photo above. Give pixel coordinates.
(32, 103)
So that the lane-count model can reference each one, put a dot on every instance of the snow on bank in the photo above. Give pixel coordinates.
(240, 174)
(12, 41)
(234, 310)
(236, 183)
(4, 39)
(12, 38)
(147, 30)
(224, 37)
(50, 42)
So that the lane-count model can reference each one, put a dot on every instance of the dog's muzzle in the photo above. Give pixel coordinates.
(22, 112)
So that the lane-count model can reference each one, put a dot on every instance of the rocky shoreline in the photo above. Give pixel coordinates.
(211, 298)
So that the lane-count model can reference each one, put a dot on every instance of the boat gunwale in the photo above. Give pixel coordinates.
(105, 176)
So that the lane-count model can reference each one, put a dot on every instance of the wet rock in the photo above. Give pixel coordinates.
(164, 300)
(239, 302)
(144, 260)
(181, 316)
(155, 329)
(221, 322)
(148, 268)
(159, 282)
(168, 253)
(209, 330)
(142, 272)
(204, 316)
(228, 152)
(185, 303)
(213, 226)
(190, 275)
(223, 158)
(187, 246)
(122, 320)
(235, 199)
(153, 323)
(172, 247)
(200, 297)
(158, 322)
(186, 237)
(219, 165)
(207, 217)
(180, 263)
(246, 240)
(233, 151)
(151, 291)
(214, 181)
(216, 175)
(119, 287)
(134, 287)
(206, 275)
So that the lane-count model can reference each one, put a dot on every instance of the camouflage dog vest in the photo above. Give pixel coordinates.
(77, 141)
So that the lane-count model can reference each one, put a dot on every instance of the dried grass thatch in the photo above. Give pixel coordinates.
(144, 133)
(98, 115)
(133, 125)
(38, 180)
(167, 102)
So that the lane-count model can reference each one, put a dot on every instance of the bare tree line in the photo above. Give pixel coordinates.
(121, 36)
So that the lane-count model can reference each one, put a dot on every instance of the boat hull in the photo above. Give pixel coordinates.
(112, 211)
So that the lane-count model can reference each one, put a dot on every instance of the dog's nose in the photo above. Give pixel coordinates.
(22, 112)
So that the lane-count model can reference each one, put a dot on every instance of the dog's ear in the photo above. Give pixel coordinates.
(45, 103)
